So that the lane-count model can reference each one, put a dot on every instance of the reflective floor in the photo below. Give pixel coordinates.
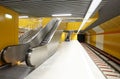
(69, 62)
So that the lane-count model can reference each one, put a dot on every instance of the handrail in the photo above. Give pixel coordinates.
(28, 36)
(50, 34)
(41, 35)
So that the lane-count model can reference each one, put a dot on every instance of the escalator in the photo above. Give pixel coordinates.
(28, 35)
(45, 34)
(13, 55)
(42, 53)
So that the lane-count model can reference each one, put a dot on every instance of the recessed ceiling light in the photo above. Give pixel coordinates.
(62, 15)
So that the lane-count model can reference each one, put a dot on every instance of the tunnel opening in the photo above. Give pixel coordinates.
(81, 38)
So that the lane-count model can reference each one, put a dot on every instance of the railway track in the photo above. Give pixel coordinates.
(108, 71)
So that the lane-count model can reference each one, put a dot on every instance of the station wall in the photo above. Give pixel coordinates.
(106, 37)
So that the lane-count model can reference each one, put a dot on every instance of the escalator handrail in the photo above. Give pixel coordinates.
(50, 34)
(36, 41)
(28, 34)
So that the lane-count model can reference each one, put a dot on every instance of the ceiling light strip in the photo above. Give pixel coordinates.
(20, 17)
(61, 14)
(92, 8)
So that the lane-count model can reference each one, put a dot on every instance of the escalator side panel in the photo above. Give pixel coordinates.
(28, 35)
(15, 53)
(50, 34)
(41, 34)
(42, 53)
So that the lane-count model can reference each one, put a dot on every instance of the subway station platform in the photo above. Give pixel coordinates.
(38, 39)
(70, 61)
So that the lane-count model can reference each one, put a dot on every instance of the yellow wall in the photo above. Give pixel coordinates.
(45, 21)
(112, 44)
(93, 40)
(8, 28)
(112, 37)
(63, 36)
(62, 26)
(107, 37)
(74, 36)
(29, 23)
(73, 25)
(92, 37)
(32, 23)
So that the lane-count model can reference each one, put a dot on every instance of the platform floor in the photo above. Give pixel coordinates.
(69, 62)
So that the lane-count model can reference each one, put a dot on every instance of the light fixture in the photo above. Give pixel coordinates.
(23, 17)
(61, 14)
(93, 6)
(8, 16)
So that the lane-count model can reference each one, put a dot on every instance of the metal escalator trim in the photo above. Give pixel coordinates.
(41, 35)
(33, 37)
(50, 34)
(42, 53)
(2, 55)
(28, 36)
(14, 53)
(54, 30)
(27, 57)
(27, 60)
